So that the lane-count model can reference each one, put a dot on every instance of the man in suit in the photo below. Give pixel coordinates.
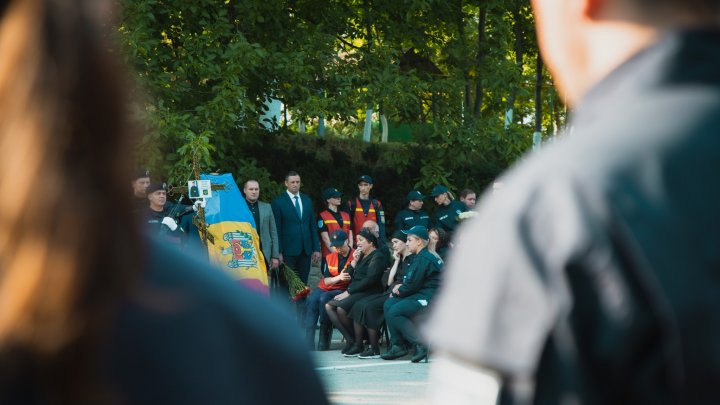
(296, 227)
(265, 223)
(594, 271)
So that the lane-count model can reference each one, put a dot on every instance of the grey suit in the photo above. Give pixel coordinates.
(268, 232)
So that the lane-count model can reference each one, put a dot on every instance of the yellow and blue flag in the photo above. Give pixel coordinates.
(237, 244)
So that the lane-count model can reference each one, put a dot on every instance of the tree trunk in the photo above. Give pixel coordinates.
(460, 26)
(368, 32)
(517, 30)
(384, 124)
(368, 125)
(537, 136)
(285, 117)
(482, 16)
(321, 125)
(231, 12)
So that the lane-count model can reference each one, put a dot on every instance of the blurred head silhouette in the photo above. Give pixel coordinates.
(66, 242)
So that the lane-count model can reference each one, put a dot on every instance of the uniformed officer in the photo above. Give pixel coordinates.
(332, 219)
(412, 296)
(139, 183)
(413, 214)
(447, 214)
(363, 208)
(162, 217)
(333, 281)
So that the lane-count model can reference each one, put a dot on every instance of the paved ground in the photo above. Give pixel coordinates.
(372, 381)
(349, 380)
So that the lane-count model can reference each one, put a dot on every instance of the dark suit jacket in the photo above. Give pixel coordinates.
(296, 235)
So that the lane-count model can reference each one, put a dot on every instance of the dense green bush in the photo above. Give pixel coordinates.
(396, 168)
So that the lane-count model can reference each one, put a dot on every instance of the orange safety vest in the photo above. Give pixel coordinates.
(332, 261)
(359, 216)
(332, 225)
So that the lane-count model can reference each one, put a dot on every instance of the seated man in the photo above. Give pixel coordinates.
(335, 280)
(410, 297)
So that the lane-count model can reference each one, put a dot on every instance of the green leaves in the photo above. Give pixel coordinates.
(207, 66)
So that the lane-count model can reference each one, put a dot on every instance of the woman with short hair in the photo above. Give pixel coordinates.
(367, 314)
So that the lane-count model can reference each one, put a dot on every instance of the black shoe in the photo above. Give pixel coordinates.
(420, 354)
(395, 352)
(355, 350)
(370, 353)
(348, 345)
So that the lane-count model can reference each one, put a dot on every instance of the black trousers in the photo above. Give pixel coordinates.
(398, 316)
(301, 265)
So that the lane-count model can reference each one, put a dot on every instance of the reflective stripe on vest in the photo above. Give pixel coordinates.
(332, 223)
(359, 218)
(332, 261)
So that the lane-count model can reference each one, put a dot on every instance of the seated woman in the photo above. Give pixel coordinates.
(367, 267)
(335, 280)
(414, 294)
(439, 242)
(367, 314)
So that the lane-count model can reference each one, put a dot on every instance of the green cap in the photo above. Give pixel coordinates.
(419, 231)
(439, 189)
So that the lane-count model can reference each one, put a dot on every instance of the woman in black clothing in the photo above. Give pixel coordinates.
(367, 267)
(367, 314)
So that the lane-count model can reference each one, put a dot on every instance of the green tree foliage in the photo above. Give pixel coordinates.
(450, 68)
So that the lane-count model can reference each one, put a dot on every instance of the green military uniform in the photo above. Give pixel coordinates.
(446, 216)
(408, 218)
(417, 289)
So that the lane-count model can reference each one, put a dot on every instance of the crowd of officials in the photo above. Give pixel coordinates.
(369, 283)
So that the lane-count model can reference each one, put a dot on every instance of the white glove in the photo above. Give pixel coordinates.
(198, 203)
(170, 223)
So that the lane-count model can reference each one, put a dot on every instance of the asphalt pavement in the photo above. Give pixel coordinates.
(349, 380)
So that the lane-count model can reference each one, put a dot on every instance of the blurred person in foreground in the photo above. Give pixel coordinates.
(594, 273)
(89, 314)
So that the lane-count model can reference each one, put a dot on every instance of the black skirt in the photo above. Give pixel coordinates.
(368, 311)
(350, 301)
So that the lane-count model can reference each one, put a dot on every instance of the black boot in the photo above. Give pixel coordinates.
(310, 335)
(325, 336)
(421, 353)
